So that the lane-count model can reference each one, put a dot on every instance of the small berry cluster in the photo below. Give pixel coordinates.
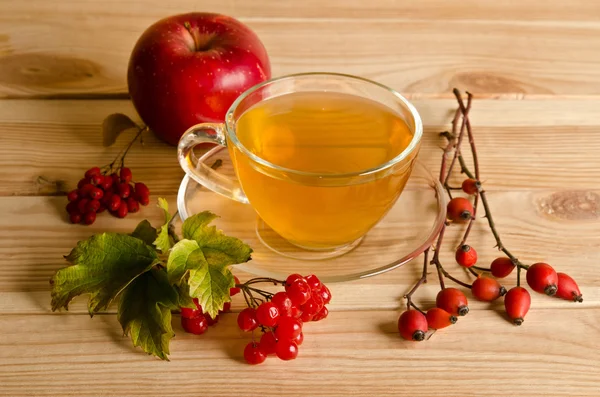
(98, 191)
(281, 316)
(414, 323)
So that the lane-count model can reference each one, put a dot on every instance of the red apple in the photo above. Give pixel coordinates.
(188, 69)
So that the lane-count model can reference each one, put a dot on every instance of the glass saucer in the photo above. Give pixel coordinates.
(402, 235)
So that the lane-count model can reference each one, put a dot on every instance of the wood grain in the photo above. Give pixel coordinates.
(534, 144)
(514, 53)
(90, 357)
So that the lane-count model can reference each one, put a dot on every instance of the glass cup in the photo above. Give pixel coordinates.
(314, 211)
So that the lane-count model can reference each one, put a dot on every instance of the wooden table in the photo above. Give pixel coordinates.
(534, 68)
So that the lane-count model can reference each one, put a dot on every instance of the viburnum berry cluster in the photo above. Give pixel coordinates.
(414, 324)
(108, 188)
(279, 317)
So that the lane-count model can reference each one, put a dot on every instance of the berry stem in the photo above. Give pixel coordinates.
(422, 280)
(473, 272)
(481, 269)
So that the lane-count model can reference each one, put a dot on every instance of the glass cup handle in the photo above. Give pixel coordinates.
(201, 172)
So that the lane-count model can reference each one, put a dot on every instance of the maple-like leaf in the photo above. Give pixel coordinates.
(145, 312)
(101, 266)
(163, 241)
(145, 232)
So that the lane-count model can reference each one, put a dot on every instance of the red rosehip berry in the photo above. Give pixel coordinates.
(132, 205)
(470, 186)
(92, 172)
(82, 182)
(267, 314)
(268, 343)
(101, 209)
(439, 318)
(283, 303)
(459, 210)
(466, 255)
(96, 180)
(96, 193)
(115, 179)
(254, 354)
(82, 205)
(75, 217)
(226, 307)
(288, 328)
(487, 289)
(313, 282)
(195, 325)
(190, 313)
(89, 217)
(568, 288)
(124, 190)
(322, 314)
(247, 319)
(73, 195)
(93, 206)
(542, 278)
(122, 210)
(114, 202)
(453, 301)
(125, 175)
(86, 190)
(412, 325)
(502, 267)
(235, 290)
(299, 292)
(211, 321)
(517, 302)
(286, 350)
(141, 189)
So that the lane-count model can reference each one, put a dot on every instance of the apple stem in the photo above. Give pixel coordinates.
(188, 27)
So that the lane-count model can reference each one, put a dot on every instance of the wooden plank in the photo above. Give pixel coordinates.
(533, 144)
(81, 54)
(35, 235)
(355, 354)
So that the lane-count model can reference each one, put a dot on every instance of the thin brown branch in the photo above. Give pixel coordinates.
(421, 281)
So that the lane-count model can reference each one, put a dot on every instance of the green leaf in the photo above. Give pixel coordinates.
(163, 241)
(209, 282)
(177, 264)
(183, 289)
(102, 266)
(145, 232)
(231, 250)
(145, 312)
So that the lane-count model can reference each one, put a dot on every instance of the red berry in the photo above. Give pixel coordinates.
(96, 193)
(141, 189)
(92, 206)
(298, 291)
(82, 205)
(323, 313)
(122, 211)
(299, 339)
(190, 313)
(439, 318)
(311, 308)
(92, 171)
(73, 195)
(254, 354)
(412, 325)
(295, 312)
(132, 205)
(487, 289)
(470, 186)
(286, 350)
(502, 267)
(125, 175)
(86, 189)
(453, 301)
(283, 303)
(247, 319)
(115, 179)
(267, 314)
(72, 207)
(114, 202)
(106, 183)
(226, 307)
(568, 288)
(101, 209)
(288, 328)
(325, 294)
(542, 278)
(235, 290)
(268, 343)
(75, 217)
(459, 210)
(96, 180)
(195, 325)
(144, 200)
(517, 302)
(89, 218)
(466, 255)
(306, 317)
(124, 190)
(211, 321)
(313, 282)
(82, 183)
(292, 278)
